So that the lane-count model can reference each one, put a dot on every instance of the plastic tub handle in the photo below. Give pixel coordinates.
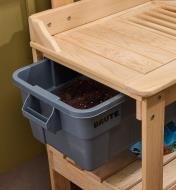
(31, 111)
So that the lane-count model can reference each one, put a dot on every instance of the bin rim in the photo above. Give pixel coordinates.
(53, 100)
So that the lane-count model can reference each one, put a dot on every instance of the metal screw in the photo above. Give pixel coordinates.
(69, 18)
(152, 117)
(159, 97)
(49, 24)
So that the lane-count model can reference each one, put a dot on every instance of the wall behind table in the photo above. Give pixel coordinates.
(16, 142)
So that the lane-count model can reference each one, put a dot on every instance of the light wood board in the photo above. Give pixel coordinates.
(133, 51)
(129, 177)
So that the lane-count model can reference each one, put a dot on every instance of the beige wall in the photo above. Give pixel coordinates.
(16, 142)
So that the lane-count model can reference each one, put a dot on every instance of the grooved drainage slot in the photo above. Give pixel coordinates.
(162, 19)
(169, 8)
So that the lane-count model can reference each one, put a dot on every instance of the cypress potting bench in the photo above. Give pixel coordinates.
(129, 45)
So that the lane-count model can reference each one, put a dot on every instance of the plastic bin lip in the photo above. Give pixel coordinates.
(105, 105)
(53, 100)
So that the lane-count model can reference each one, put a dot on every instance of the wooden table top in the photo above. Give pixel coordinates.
(133, 51)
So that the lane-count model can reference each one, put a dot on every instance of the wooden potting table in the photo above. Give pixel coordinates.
(129, 45)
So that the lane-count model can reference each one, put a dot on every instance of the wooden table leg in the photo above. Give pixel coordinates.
(152, 147)
(58, 182)
(36, 55)
(58, 3)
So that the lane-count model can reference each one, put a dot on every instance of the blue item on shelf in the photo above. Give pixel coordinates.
(170, 134)
(136, 149)
(169, 140)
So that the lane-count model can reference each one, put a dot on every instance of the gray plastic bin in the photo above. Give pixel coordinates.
(90, 137)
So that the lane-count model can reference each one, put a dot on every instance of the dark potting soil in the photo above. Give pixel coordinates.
(84, 93)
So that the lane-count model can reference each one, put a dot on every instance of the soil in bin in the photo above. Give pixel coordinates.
(84, 93)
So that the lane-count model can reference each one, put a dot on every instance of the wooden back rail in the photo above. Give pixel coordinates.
(78, 13)
(61, 19)
(59, 3)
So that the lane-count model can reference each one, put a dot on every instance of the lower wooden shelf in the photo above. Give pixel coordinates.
(123, 173)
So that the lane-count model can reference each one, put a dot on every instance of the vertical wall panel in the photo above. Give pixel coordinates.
(17, 144)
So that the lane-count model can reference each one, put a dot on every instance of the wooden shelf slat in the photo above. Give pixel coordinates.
(115, 165)
(132, 174)
(127, 178)
(169, 179)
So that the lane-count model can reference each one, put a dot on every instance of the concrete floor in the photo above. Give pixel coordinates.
(33, 175)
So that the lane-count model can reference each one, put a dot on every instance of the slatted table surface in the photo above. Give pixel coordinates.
(133, 51)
